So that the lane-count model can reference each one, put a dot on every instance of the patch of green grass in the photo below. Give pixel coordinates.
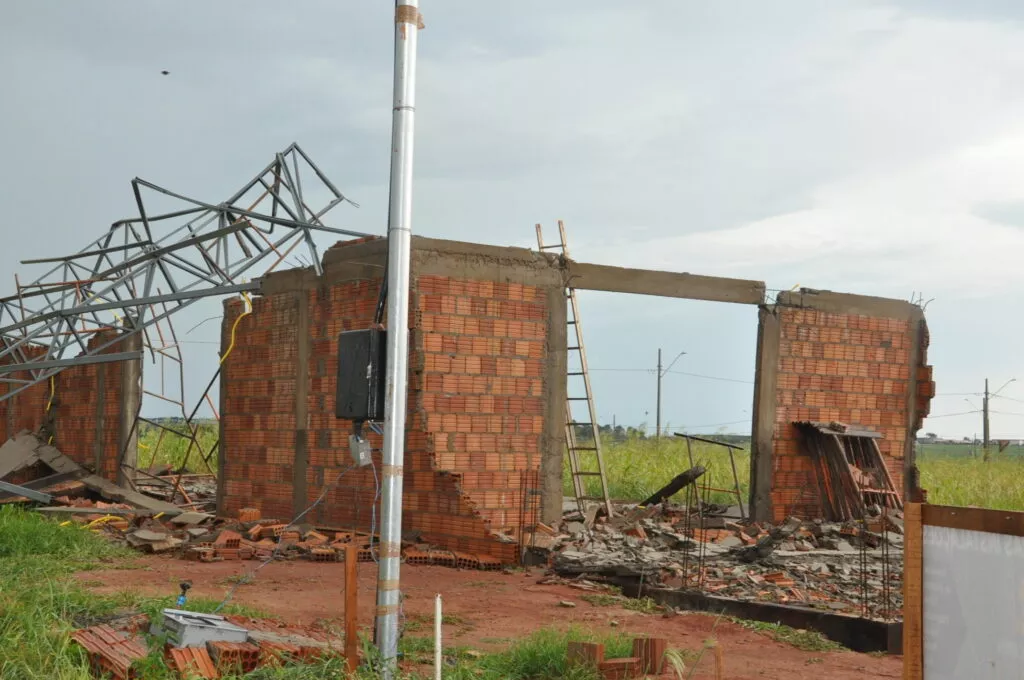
(806, 640)
(644, 605)
(39, 602)
(602, 599)
(454, 620)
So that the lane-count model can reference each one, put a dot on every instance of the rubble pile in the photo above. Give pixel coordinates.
(165, 513)
(851, 567)
(115, 648)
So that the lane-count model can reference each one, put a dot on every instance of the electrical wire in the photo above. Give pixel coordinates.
(234, 326)
(653, 371)
(950, 415)
(323, 494)
(248, 577)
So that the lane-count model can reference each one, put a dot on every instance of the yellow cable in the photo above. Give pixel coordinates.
(234, 326)
(53, 390)
(101, 520)
(49, 404)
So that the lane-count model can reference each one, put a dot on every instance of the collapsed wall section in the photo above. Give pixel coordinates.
(827, 357)
(479, 344)
(78, 408)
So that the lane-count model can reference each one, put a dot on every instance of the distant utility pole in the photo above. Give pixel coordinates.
(661, 374)
(985, 431)
(984, 423)
(657, 417)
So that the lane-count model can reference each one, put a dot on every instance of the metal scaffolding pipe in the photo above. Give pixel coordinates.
(407, 22)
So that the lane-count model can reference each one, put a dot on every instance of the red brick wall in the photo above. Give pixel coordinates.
(78, 411)
(475, 385)
(850, 368)
(258, 417)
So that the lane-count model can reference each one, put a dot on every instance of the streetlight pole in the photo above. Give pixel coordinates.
(407, 24)
(985, 428)
(657, 417)
(984, 423)
(661, 374)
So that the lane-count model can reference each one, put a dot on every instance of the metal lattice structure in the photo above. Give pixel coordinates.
(137, 275)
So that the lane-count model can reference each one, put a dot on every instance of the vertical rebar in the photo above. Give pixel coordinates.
(865, 610)
(407, 21)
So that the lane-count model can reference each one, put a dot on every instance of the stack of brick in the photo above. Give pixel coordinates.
(82, 418)
(475, 424)
(648, 659)
(851, 368)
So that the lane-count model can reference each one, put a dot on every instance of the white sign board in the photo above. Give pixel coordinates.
(973, 605)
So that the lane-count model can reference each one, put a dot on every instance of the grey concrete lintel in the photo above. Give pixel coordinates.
(585, 276)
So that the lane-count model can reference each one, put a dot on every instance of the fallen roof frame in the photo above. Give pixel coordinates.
(140, 277)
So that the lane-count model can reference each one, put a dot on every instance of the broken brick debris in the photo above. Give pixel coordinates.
(192, 662)
(620, 669)
(234, 656)
(249, 515)
(113, 648)
(651, 653)
(839, 567)
(111, 652)
(585, 653)
(648, 658)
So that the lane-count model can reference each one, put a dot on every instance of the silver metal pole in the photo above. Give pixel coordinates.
(407, 23)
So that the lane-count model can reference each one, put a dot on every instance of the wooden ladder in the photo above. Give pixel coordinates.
(584, 460)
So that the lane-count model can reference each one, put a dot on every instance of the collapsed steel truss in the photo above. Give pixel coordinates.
(141, 277)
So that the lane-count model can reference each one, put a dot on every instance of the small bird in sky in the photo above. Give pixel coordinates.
(166, 73)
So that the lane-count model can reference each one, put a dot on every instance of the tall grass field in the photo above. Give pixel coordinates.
(952, 474)
(638, 466)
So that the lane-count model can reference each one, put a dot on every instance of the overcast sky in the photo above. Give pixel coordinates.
(867, 147)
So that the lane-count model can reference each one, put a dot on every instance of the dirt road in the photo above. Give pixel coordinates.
(488, 609)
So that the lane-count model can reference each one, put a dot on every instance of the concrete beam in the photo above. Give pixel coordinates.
(845, 303)
(586, 276)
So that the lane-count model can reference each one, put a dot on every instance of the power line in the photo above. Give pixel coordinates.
(713, 377)
(734, 422)
(950, 415)
(651, 371)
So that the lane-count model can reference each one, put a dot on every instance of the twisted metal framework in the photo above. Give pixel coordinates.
(142, 277)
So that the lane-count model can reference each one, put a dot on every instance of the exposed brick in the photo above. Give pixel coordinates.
(585, 653)
(846, 367)
(620, 669)
(475, 409)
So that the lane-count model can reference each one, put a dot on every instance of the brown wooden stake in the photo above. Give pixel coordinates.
(913, 593)
(351, 606)
(719, 663)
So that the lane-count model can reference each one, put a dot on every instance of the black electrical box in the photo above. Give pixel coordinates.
(361, 358)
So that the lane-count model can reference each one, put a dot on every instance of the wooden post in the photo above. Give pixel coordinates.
(351, 606)
(913, 593)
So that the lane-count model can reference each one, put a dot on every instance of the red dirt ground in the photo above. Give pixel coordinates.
(491, 609)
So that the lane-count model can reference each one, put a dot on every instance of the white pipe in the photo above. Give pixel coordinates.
(407, 20)
(437, 637)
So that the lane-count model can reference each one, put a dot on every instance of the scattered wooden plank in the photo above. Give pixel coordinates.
(679, 482)
(913, 593)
